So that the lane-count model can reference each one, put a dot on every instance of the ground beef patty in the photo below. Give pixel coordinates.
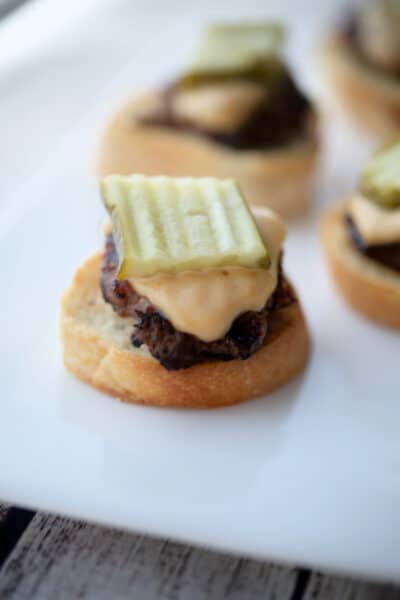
(279, 120)
(386, 254)
(172, 348)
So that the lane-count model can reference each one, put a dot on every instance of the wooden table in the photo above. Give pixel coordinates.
(44, 557)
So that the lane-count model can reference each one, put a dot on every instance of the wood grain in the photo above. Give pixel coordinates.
(13, 523)
(64, 559)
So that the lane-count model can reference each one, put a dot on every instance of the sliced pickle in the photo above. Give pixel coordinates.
(268, 72)
(166, 224)
(380, 179)
(229, 50)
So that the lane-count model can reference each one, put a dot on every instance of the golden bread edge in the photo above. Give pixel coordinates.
(373, 103)
(370, 288)
(280, 179)
(132, 375)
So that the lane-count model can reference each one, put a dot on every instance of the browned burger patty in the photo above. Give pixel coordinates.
(280, 119)
(172, 348)
(386, 254)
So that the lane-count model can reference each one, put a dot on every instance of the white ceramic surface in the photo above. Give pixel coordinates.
(309, 475)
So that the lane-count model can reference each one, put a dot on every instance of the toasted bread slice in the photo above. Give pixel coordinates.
(369, 287)
(372, 99)
(97, 349)
(281, 179)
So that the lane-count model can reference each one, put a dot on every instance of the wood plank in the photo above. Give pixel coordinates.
(64, 559)
(12, 525)
(326, 587)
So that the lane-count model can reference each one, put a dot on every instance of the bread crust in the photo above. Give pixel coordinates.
(280, 179)
(371, 99)
(97, 349)
(369, 287)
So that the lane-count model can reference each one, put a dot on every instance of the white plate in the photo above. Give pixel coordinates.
(309, 475)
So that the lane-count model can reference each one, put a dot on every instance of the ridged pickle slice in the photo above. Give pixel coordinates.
(167, 224)
(226, 50)
(380, 179)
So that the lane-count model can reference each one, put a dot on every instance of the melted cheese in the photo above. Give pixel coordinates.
(205, 303)
(376, 225)
(220, 107)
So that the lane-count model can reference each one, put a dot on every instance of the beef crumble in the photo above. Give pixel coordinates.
(280, 119)
(386, 254)
(175, 349)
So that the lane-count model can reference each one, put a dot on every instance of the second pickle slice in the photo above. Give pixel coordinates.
(228, 50)
(380, 179)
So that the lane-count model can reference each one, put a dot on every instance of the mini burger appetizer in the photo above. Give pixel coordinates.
(187, 304)
(361, 236)
(235, 112)
(362, 60)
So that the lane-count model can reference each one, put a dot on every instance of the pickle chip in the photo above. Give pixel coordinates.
(167, 224)
(229, 50)
(380, 179)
